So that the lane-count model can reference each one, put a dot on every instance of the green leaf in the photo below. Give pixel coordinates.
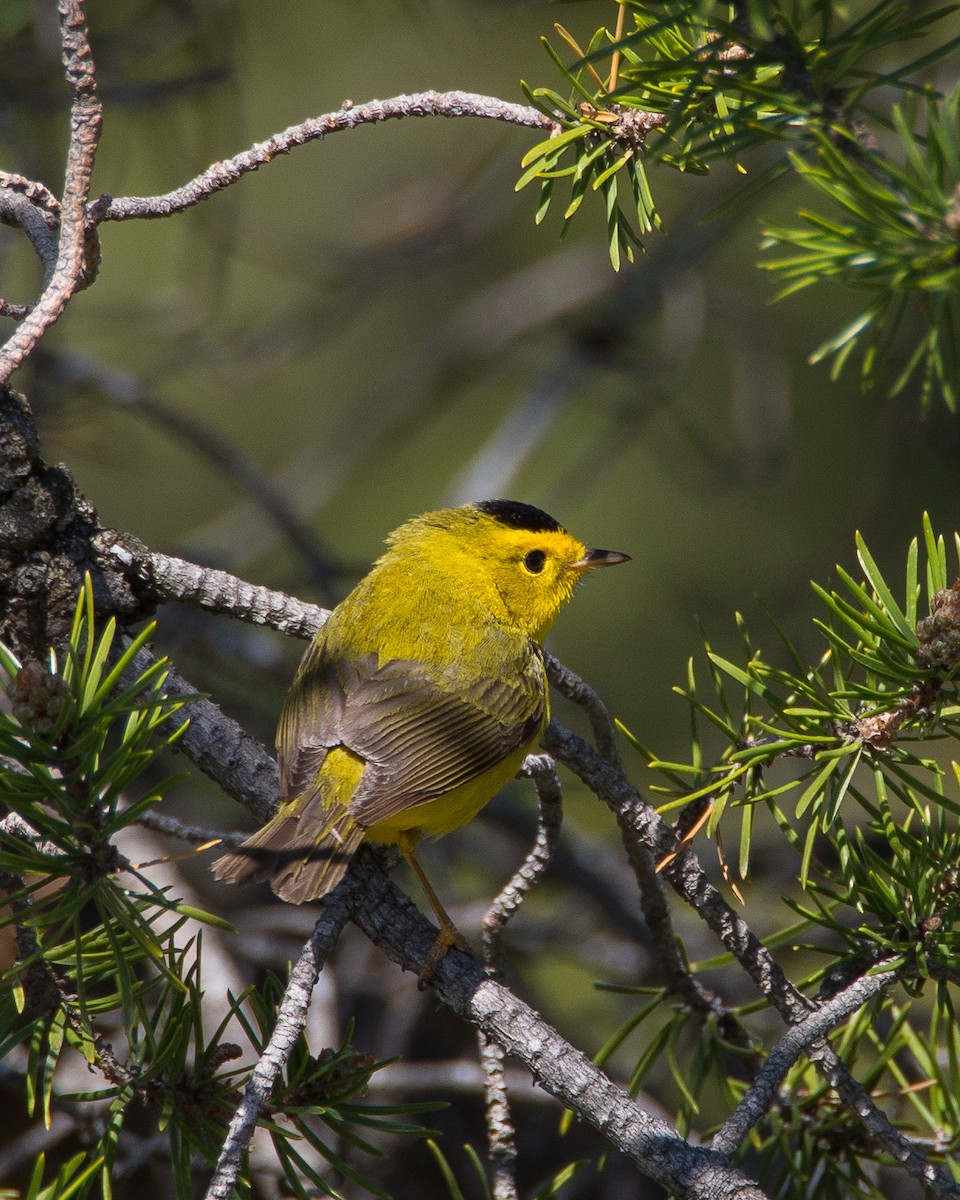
(552, 146)
(936, 560)
(552, 1189)
(749, 681)
(879, 585)
(453, 1188)
(746, 832)
(912, 587)
(815, 788)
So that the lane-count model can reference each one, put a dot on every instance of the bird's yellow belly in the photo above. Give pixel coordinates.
(456, 808)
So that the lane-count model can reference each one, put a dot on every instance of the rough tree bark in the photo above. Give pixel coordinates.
(50, 536)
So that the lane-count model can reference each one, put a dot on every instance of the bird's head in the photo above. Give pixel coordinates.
(520, 560)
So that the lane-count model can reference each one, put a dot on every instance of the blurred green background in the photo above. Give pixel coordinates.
(374, 326)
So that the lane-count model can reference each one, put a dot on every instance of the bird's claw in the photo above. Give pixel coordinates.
(448, 937)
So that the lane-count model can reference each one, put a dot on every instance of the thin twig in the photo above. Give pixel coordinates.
(762, 1092)
(501, 1132)
(17, 209)
(37, 193)
(589, 864)
(541, 769)
(938, 1179)
(907, 1152)
(501, 1138)
(291, 1018)
(195, 835)
(17, 311)
(170, 578)
(76, 257)
(580, 693)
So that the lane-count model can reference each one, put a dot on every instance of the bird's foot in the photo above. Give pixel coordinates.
(448, 937)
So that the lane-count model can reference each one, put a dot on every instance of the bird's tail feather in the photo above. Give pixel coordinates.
(302, 857)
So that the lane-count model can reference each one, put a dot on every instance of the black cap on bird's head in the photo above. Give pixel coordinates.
(517, 515)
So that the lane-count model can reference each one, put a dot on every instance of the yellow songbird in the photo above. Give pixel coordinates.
(419, 697)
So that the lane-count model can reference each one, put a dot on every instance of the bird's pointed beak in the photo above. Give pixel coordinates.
(600, 558)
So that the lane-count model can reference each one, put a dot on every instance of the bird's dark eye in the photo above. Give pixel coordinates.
(534, 560)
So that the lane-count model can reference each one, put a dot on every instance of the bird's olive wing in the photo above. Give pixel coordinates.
(420, 740)
(312, 716)
(419, 734)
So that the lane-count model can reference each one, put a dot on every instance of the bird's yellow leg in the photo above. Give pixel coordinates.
(449, 934)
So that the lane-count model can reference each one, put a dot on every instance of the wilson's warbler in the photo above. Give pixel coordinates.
(419, 697)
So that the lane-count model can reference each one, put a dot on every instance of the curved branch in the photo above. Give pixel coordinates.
(878, 1126)
(501, 1135)
(542, 770)
(580, 693)
(37, 193)
(222, 174)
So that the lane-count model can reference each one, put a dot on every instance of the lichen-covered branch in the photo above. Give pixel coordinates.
(169, 578)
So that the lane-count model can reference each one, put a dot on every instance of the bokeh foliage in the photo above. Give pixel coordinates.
(689, 84)
(106, 971)
(849, 755)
